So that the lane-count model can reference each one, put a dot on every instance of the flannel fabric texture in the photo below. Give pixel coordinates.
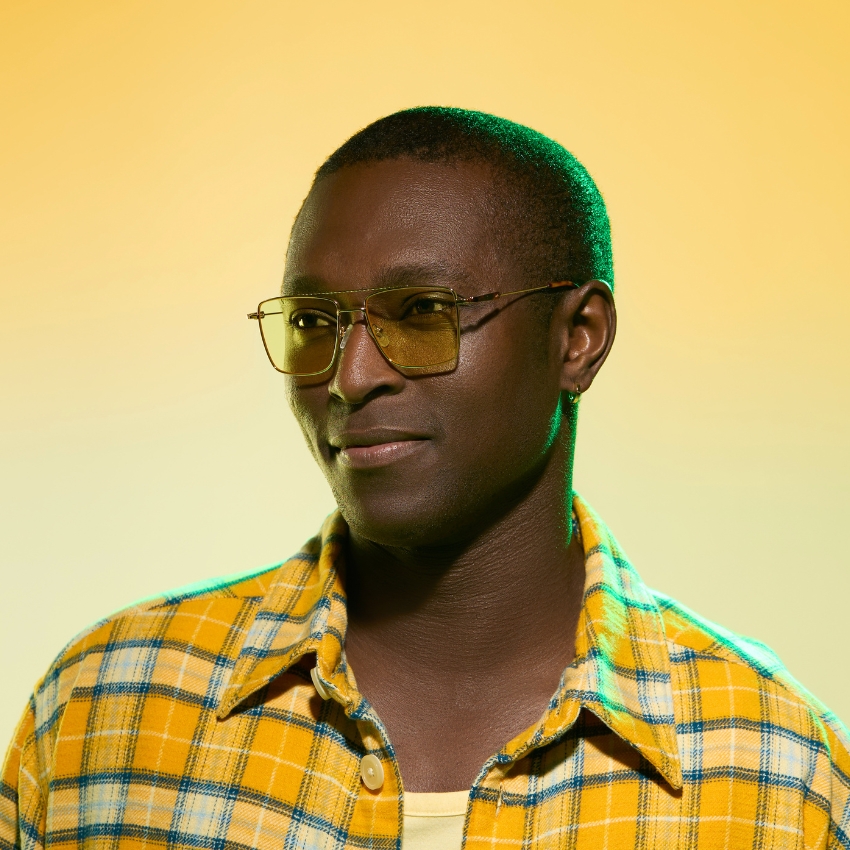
(192, 721)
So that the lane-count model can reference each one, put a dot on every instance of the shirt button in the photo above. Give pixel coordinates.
(371, 772)
(320, 688)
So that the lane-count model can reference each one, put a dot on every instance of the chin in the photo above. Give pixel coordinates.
(417, 519)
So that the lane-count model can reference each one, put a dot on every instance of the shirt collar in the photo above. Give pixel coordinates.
(303, 612)
(621, 672)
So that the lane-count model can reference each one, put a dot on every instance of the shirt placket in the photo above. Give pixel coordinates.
(498, 802)
(377, 811)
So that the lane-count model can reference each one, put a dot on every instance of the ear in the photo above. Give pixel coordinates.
(583, 328)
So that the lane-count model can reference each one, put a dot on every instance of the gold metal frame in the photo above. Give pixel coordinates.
(459, 301)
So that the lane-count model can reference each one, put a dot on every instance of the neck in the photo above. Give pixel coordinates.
(490, 603)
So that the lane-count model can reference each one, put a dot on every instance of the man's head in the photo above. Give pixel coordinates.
(478, 204)
(550, 215)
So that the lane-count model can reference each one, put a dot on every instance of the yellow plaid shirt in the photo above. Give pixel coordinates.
(192, 721)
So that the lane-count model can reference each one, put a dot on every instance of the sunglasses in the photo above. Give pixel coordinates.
(414, 327)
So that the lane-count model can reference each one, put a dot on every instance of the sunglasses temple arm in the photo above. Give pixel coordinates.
(492, 296)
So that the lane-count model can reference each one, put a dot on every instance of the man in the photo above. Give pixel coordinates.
(464, 654)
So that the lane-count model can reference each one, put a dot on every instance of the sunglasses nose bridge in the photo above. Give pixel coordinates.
(361, 309)
(346, 326)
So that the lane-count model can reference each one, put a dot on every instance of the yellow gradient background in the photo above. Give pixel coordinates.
(153, 155)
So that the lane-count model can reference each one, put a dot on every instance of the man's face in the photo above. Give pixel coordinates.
(423, 459)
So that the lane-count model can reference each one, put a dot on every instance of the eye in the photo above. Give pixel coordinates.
(429, 305)
(306, 320)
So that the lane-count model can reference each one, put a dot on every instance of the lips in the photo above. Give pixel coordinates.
(375, 447)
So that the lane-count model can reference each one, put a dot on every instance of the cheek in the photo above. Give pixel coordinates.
(506, 400)
(304, 402)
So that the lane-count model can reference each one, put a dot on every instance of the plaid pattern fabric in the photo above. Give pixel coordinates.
(192, 721)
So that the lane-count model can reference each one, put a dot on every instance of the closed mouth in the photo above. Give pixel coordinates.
(374, 448)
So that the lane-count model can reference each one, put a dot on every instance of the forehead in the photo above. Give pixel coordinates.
(360, 223)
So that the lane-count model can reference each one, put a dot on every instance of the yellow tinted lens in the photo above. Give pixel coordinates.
(299, 334)
(415, 326)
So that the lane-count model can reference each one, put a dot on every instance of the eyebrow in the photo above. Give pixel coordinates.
(412, 274)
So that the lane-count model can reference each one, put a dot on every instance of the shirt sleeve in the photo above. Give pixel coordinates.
(21, 799)
(839, 743)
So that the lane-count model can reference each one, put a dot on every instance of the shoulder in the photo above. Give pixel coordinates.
(219, 594)
(724, 666)
(205, 622)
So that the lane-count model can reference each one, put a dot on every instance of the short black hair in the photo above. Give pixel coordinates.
(557, 225)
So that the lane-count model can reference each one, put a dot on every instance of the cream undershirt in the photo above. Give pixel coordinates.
(434, 821)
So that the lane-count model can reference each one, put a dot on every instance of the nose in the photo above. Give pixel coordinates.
(361, 371)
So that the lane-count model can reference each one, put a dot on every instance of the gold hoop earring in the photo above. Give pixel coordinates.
(576, 395)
